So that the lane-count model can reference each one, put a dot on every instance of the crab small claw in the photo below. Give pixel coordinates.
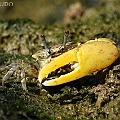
(90, 57)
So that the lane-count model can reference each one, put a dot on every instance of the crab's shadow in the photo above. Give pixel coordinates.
(73, 91)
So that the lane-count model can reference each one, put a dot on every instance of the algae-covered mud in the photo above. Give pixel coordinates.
(93, 97)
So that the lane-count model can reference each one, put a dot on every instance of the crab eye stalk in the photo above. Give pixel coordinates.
(45, 44)
(65, 37)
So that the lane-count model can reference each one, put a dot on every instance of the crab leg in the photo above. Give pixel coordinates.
(9, 73)
(91, 57)
(23, 81)
(5, 68)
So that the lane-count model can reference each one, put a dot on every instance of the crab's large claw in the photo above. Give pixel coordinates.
(92, 56)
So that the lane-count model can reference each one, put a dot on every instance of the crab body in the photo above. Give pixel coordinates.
(44, 57)
(87, 58)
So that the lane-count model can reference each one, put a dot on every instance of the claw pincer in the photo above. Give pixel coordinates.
(90, 57)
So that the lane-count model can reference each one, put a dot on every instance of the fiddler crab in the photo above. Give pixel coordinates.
(68, 61)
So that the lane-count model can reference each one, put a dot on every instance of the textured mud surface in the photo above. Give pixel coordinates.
(92, 97)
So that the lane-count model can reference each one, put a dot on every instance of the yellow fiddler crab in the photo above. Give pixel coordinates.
(71, 63)
(67, 62)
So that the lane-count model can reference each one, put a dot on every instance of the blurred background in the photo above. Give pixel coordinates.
(45, 11)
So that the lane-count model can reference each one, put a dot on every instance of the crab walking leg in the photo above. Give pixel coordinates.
(58, 62)
(23, 81)
(9, 73)
(5, 68)
(91, 56)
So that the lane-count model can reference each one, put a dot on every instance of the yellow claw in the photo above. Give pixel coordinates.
(90, 57)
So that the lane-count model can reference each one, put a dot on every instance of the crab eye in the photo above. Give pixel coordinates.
(45, 44)
(65, 38)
